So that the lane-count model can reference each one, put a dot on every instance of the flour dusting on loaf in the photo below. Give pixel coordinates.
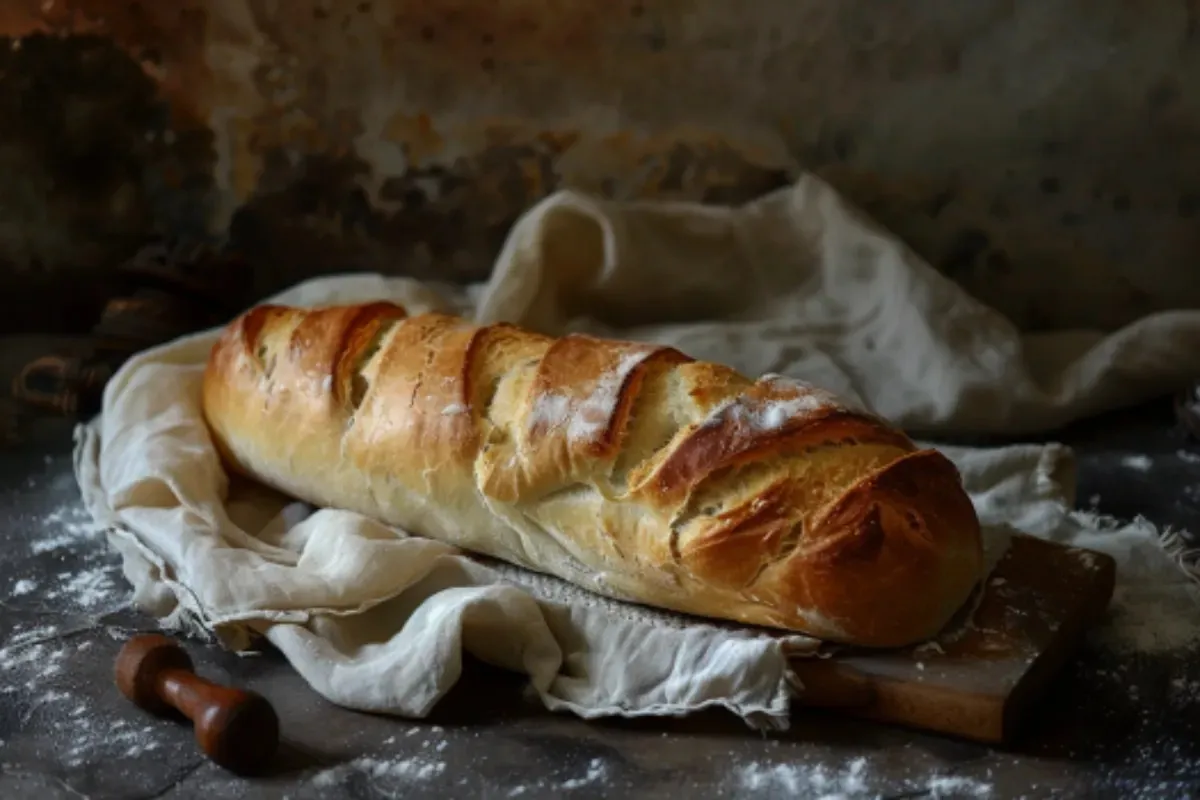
(626, 468)
(788, 402)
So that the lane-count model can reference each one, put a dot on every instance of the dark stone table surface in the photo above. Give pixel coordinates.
(1112, 726)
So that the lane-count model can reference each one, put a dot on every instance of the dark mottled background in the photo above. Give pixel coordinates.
(1041, 152)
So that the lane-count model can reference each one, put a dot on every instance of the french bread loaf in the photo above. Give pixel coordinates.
(628, 469)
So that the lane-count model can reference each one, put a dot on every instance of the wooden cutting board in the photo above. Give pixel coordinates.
(981, 677)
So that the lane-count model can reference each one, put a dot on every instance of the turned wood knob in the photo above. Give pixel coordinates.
(236, 729)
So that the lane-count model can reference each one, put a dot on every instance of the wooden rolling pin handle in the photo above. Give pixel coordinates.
(237, 729)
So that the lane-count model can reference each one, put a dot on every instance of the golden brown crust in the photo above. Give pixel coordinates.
(627, 468)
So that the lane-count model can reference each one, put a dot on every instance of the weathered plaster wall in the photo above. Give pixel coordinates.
(1042, 152)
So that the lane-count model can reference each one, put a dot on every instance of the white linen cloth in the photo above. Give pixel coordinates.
(797, 283)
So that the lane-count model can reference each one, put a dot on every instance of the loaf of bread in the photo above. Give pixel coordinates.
(628, 469)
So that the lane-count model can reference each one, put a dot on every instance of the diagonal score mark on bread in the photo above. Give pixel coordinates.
(629, 469)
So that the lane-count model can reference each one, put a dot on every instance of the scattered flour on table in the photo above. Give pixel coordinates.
(90, 588)
(400, 770)
(1140, 463)
(596, 772)
(34, 666)
(75, 574)
(1159, 762)
(64, 527)
(1188, 457)
(26, 660)
(805, 780)
(1185, 692)
(847, 782)
(91, 577)
(595, 775)
(92, 738)
(949, 786)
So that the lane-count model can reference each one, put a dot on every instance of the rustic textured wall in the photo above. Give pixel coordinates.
(1042, 152)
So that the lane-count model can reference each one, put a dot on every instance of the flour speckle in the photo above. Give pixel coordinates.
(756, 414)
(403, 770)
(549, 410)
(1184, 691)
(90, 588)
(52, 696)
(1137, 462)
(587, 414)
(951, 786)
(63, 528)
(93, 581)
(30, 659)
(595, 772)
(24, 636)
(16, 657)
(804, 780)
(92, 740)
(1188, 457)
(23, 587)
(844, 781)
